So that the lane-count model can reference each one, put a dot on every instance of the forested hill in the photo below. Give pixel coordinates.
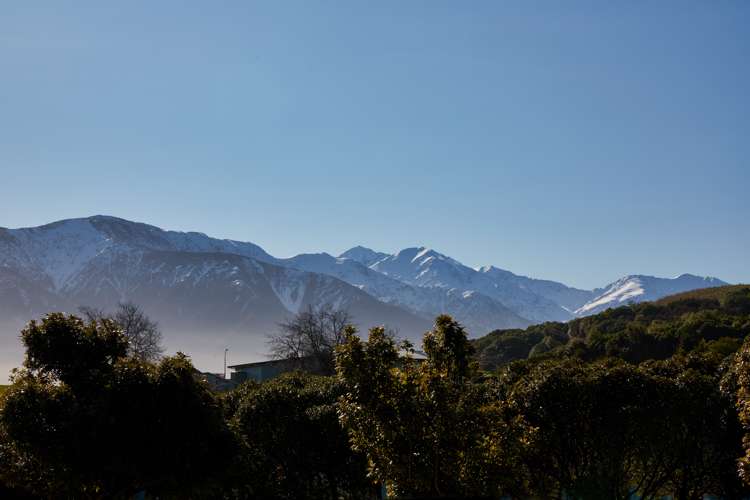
(714, 319)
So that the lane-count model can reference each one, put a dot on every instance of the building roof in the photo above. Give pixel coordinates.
(267, 362)
(417, 355)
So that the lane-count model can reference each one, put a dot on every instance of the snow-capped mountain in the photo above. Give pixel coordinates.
(209, 293)
(639, 288)
(425, 267)
(569, 298)
(102, 260)
(477, 312)
(206, 293)
(59, 251)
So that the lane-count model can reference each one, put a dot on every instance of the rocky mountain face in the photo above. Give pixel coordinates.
(212, 293)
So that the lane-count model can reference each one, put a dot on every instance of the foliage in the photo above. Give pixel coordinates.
(609, 429)
(501, 347)
(650, 399)
(741, 386)
(715, 320)
(428, 429)
(292, 443)
(84, 420)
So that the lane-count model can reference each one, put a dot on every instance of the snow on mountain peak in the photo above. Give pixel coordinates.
(640, 288)
(98, 253)
(61, 249)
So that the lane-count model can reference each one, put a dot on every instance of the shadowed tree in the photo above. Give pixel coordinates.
(84, 420)
(292, 443)
(611, 429)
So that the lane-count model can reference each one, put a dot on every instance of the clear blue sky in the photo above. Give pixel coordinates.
(576, 141)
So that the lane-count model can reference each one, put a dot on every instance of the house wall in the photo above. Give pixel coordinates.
(263, 372)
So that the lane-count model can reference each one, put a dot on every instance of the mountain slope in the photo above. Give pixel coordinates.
(365, 256)
(640, 288)
(420, 266)
(220, 291)
(567, 297)
(477, 312)
(206, 293)
(209, 293)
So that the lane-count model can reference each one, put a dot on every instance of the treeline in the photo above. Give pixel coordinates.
(710, 320)
(85, 419)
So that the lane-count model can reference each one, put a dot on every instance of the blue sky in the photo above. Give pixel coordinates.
(576, 141)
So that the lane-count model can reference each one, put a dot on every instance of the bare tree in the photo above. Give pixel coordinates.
(143, 334)
(92, 313)
(311, 336)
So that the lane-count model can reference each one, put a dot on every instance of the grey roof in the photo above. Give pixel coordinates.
(267, 362)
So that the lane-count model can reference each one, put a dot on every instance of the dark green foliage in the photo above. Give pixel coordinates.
(608, 428)
(716, 320)
(428, 429)
(292, 443)
(84, 420)
(71, 351)
(737, 383)
(649, 399)
(715, 294)
(500, 347)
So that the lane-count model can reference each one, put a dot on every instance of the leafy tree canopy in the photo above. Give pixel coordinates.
(93, 422)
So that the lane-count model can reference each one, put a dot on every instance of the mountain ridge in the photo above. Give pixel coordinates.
(101, 260)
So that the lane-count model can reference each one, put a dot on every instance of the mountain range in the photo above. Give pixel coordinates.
(209, 293)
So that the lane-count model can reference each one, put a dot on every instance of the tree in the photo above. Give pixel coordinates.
(703, 435)
(84, 420)
(611, 429)
(429, 429)
(143, 334)
(310, 338)
(741, 367)
(590, 423)
(292, 443)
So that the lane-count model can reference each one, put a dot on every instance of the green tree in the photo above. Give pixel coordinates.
(610, 429)
(293, 445)
(741, 367)
(703, 433)
(587, 429)
(84, 420)
(428, 429)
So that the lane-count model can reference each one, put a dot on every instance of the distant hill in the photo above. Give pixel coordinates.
(715, 319)
(720, 294)
(640, 288)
